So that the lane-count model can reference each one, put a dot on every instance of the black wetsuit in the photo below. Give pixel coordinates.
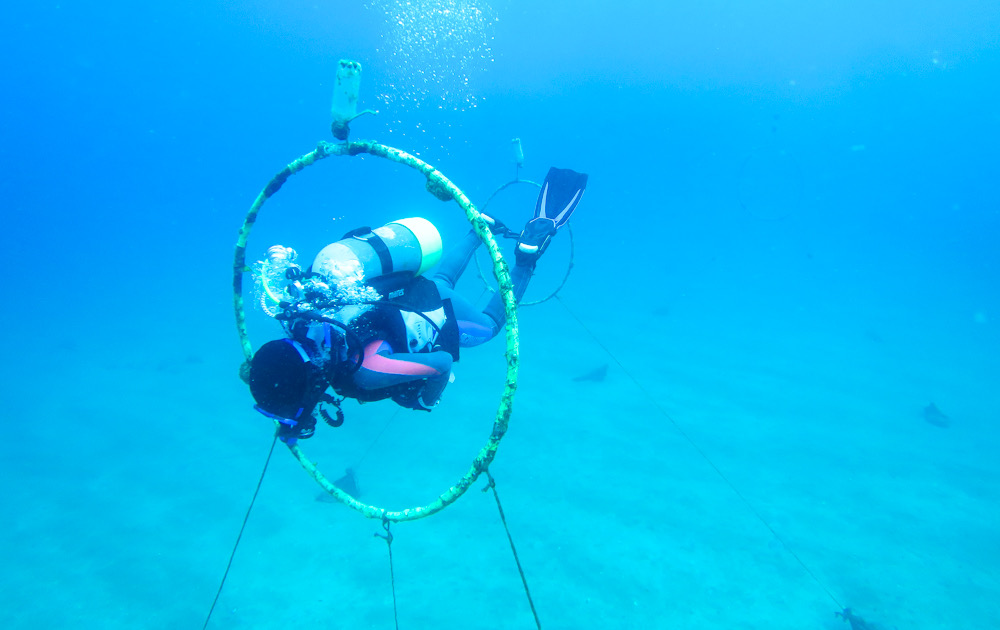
(405, 357)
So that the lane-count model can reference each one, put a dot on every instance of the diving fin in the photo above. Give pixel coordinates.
(560, 194)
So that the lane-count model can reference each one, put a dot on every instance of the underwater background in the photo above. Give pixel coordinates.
(762, 396)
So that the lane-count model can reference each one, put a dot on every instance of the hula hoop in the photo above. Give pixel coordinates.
(572, 247)
(442, 188)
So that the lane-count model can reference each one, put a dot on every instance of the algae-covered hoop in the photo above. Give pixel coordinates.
(442, 188)
(572, 247)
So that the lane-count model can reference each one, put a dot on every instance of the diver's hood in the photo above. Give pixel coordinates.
(285, 380)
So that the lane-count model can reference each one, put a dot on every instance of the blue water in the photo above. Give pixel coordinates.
(788, 250)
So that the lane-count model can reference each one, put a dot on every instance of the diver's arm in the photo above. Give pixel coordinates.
(381, 367)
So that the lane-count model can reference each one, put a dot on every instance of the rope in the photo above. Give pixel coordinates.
(240, 536)
(387, 536)
(377, 438)
(704, 456)
(492, 485)
(442, 188)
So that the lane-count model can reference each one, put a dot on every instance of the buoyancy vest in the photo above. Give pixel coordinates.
(402, 318)
(411, 317)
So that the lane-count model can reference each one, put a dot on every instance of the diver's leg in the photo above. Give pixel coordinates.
(474, 327)
(520, 275)
(557, 200)
(454, 262)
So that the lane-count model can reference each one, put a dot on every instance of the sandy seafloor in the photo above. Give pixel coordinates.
(738, 469)
(779, 276)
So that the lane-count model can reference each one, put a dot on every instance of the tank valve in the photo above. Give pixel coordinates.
(345, 98)
(518, 152)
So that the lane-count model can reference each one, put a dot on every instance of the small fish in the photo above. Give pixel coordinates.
(857, 623)
(597, 375)
(936, 417)
(348, 483)
(325, 497)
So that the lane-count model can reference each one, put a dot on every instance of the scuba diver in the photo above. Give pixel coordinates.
(364, 321)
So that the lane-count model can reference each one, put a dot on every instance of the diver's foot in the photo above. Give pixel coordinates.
(534, 240)
(496, 226)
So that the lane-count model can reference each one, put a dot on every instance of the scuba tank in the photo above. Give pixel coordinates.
(356, 269)
(406, 247)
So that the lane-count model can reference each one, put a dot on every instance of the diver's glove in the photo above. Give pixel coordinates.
(413, 398)
(534, 240)
(424, 395)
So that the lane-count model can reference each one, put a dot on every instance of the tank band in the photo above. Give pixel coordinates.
(381, 249)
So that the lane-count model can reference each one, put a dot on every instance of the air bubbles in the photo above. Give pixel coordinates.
(438, 49)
